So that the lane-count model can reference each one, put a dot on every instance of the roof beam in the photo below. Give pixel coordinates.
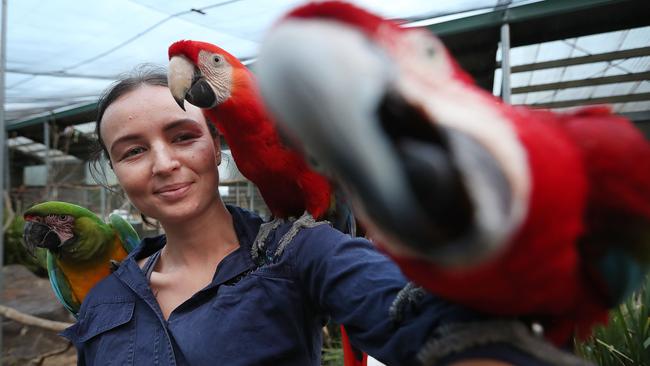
(589, 101)
(641, 116)
(607, 56)
(61, 74)
(50, 116)
(583, 82)
(520, 13)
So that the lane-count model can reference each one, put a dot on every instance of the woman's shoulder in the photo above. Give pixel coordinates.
(109, 289)
(317, 237)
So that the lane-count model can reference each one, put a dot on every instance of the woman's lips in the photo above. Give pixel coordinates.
(173, 191)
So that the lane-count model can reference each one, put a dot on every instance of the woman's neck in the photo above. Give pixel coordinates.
(200, 241)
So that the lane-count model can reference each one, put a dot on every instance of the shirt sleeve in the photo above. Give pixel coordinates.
(349, 280)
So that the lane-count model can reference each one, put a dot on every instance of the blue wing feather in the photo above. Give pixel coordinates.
(61, 286)
(127, 234)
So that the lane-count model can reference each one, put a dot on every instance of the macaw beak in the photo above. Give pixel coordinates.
(339, 99)
(356, 111)
(40, 235)
(186, 82)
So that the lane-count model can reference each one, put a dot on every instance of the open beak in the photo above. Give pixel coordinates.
(343, 98)
(187, 83)
(331, 98)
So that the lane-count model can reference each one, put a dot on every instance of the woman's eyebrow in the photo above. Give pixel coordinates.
(179, 122)
(125, 139)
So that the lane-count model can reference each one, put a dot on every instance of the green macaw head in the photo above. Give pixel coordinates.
(65, 229)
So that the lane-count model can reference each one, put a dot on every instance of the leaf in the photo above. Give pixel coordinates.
(646, 344)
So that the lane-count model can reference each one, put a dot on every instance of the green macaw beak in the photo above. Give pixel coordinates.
(38, 235)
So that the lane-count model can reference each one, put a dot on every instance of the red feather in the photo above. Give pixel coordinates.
(341, 12)
(537, 265)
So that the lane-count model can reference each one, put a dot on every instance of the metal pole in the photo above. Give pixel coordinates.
(46, 142)
(3, 139)
(102, 202)
(251, 194)
(102, 190)
(505, 62)
(7, 168)
(237, 194)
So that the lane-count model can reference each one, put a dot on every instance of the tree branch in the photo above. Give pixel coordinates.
(40, 359)
(10, 212)
(23, 318)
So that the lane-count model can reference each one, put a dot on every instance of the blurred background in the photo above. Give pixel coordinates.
(60, 55)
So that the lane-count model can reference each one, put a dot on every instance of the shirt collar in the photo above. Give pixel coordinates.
(246, 225)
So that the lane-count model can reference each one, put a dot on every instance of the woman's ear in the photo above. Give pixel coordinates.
(216, 139)
(217, 149)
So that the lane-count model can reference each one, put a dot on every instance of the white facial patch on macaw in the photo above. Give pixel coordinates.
(62, 225)
(218, 72)
(419, 52)
(453, 104)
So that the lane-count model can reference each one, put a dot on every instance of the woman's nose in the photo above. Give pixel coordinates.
(165, 160)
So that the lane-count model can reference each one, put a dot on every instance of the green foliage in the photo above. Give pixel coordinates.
(15, 252)
(626, 339)
(332, 356)
(332, 352)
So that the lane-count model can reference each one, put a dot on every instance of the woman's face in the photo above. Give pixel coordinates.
(164, 158)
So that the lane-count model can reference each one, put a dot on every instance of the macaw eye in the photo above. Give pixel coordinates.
(216, 59)
(315, 164)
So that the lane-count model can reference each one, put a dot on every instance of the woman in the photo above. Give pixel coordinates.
(195, 297)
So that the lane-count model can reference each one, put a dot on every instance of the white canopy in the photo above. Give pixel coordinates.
(65, 52)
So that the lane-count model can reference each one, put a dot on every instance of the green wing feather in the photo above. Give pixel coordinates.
(61, 286)
(127, 234)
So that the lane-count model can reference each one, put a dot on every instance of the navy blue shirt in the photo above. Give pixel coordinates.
(259, 314)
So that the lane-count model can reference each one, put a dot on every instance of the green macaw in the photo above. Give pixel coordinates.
(81, 248)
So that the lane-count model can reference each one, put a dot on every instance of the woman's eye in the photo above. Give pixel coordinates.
(184, 137)
(132, 152)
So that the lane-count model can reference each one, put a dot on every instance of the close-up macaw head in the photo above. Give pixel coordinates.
(382, 109)
(63, 228)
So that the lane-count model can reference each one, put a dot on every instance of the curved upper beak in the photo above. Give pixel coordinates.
(36, 234)
(180, 77)
(186, 82)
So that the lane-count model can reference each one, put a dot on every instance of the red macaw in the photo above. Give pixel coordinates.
(213, 79)
(505, 209)
(216, 81)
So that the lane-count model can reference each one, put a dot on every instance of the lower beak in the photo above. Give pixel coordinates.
(187, 83)
(39, 235)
